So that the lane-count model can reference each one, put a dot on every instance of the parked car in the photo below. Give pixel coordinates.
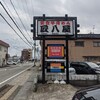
(98, 63)
(90, 93)
(85, 67)
(72, 71)
(10, 62)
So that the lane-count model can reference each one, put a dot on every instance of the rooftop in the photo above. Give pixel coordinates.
(4, 43)
(88, 36)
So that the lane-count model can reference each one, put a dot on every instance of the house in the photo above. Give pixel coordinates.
(3, 52)
(85, 48)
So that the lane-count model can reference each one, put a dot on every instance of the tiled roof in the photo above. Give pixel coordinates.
(4, 43)
(88, 36)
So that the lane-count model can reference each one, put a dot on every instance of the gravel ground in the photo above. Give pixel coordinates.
(53, 92)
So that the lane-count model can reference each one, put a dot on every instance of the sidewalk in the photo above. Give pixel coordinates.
(45, 91)
(27, 89)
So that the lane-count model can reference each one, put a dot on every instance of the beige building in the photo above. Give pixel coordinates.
(85, 48)
(3, 52)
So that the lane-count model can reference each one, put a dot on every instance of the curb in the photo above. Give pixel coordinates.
(29, 87)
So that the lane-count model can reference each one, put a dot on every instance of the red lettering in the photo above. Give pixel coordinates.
(42, 22)
(57, 22)
(67, 23)
(52, 22)
(47, 22)
(63, 23)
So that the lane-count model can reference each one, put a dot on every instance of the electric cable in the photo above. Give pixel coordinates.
(13, 29)
(14, 22)
(27, 8)
(19, 17)
(32, 6)
(23, 10)
(26, 17)
(11, 13)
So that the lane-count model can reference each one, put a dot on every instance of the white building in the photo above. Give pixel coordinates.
(3, 53)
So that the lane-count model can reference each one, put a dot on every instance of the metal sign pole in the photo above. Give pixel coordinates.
(67, 56)
(67, 62)
(43, 63)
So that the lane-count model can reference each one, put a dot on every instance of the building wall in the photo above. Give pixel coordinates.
(80, 53)
(26, 54)
(3, 52)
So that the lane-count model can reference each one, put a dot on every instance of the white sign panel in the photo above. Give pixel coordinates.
(55, 27)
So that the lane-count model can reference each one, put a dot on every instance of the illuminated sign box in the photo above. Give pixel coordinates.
(51, 27)
(55, 67)
(55, 51)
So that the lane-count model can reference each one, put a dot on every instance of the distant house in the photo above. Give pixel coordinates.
(3, 52)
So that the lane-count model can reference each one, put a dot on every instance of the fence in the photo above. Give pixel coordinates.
(79, 80)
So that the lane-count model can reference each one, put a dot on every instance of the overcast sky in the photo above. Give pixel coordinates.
(86, 11)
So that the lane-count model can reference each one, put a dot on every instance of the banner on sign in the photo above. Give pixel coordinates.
(55, 51)
(55, 67)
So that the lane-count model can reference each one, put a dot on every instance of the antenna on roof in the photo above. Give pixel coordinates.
(93, 28)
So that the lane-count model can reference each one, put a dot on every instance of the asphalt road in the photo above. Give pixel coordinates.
(8, 73)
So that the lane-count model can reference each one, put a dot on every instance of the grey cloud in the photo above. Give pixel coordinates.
(86, 11)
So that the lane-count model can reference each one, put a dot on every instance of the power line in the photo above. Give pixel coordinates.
(14, 22)
(23, 9)
(19, 17)
(26, 17)
(32, 6)
(11, 13)
(13, 29)
(27, 8)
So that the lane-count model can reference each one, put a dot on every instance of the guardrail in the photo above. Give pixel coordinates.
(79, 80)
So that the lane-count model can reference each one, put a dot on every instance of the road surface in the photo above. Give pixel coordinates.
(8, 73)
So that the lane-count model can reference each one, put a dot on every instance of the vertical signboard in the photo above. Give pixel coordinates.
(55, 51)
(65, 28)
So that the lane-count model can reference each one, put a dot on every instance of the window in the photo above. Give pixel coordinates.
(91, 58)
(79, 43)
(96, 43)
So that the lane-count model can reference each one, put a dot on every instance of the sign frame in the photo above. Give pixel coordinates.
(54, 37)
(36, 36)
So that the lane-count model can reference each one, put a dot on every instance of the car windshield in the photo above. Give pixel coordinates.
(92, 65)
(88, 95)
(93, 95)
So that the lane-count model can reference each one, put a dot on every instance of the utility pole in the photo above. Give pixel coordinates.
(34, 53)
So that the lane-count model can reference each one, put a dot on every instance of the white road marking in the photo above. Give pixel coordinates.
(14, 76)
(3, 69)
